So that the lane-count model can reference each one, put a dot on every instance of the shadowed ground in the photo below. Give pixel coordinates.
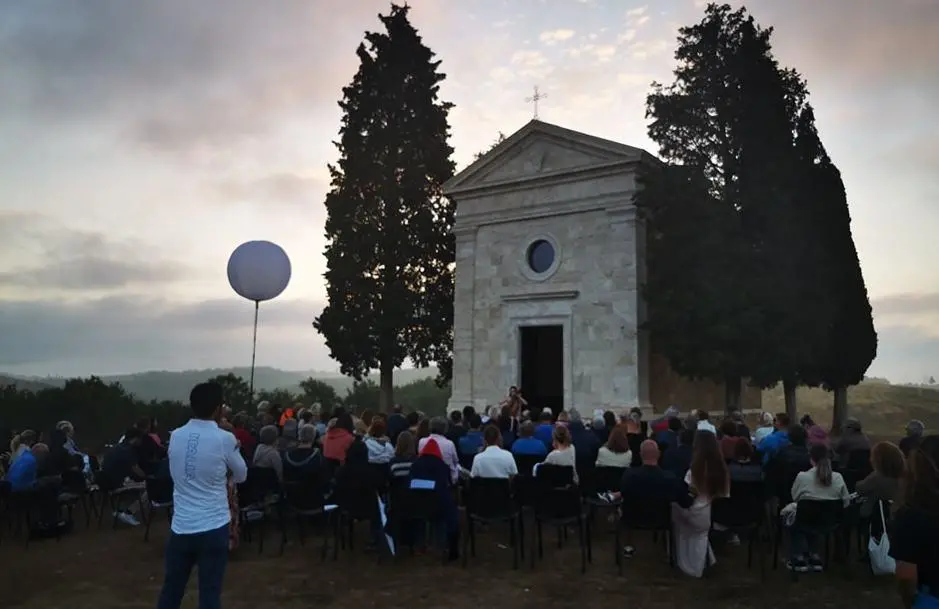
(116, 569)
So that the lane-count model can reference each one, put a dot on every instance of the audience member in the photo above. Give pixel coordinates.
(914, 534)
(378, 444)
(437, 431)
(914, 435)
(545, 428)
(457, 428)
(704, 422)
(668, 438)
(563, 453)
(405, 454)
(305, 461)
(243, 435)
(24, 471)
(493, 461)
(677, 460)
(339, 437)
(883, 483)
(764, 429)
(431, 469)
(771, 444)
(615, 453)
(819, 483)
(507, 426)
(729, 439)
(527, 444)
(266, 453)
(742, 467)
(397, 423)
(472, 441)
(707, 478)
(852, 439)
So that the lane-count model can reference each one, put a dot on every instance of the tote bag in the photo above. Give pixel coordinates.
(879, 551)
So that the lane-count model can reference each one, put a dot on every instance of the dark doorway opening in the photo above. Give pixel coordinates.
(542, 367)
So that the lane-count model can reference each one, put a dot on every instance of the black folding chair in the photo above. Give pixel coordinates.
(490, 501)
(257, 495)
(744, 511)
(305, 499)
(643, 513)
(823, 518)
(159, 497)
(558, 503)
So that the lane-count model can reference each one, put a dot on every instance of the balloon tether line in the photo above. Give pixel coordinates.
(254, 349)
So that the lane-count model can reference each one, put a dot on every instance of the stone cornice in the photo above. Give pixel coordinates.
(611, 202)
(539, 296)
(547, 178)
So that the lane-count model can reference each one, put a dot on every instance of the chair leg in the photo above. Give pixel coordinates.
(521, 534)
(467, 544)
(618, 549)
(513, 542)
(582, 534)
(589, 533)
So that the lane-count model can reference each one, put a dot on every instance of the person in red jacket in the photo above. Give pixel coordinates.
(339, 437)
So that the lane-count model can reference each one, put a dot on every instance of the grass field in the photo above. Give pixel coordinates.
(883, 409)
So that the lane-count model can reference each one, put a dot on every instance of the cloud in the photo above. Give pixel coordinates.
(177, 74)
(555, 36)
(38, 252)
(288, 188)
(906, 304)
(128, 334)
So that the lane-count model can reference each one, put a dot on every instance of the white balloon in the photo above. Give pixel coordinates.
(258, 270)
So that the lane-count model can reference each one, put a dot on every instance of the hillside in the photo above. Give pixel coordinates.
(882, 408)
(169, 385)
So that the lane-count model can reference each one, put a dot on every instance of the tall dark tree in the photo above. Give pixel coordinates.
(851, 338)
(389, 250)
(696, 253)
(730, 115)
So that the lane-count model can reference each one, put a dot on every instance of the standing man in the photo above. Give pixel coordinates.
(201, 455)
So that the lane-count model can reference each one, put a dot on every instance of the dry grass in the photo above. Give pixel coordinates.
(107, 569)
(884, 409)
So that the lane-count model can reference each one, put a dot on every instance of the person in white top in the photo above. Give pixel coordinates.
(704, 423)
(201, 455)
(493, 461)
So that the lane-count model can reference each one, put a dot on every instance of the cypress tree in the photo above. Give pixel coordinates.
(389, 250)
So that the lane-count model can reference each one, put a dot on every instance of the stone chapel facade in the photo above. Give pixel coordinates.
(550, 257)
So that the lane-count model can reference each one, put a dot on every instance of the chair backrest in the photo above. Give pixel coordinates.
(381, 474)
(466, 460)
(745, 506)
(159, 490)
(356, 495)
(608, 478)
(489, 497)
(556, 495)
(859, 459)
(646, 513)
(260, 483)
(73, 481)
(525, 463)
(305, 494)
(405, 503)
(819, 515)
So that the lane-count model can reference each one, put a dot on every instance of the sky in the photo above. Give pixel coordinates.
(143, 141)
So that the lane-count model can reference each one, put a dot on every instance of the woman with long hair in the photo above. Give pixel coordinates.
(883, 483)
(820, 483)
(615, 453)
(914, 536)
(707, 479)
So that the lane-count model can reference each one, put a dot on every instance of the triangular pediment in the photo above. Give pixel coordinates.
(540, 149)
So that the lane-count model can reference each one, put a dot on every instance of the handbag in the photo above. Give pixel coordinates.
(879, 550)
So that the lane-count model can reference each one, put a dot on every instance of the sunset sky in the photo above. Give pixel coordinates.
(142, 141)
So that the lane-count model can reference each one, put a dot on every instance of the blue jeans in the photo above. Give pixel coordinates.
(208, 550)
(925, 600)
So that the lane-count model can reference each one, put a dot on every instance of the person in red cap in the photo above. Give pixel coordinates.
(430, 472)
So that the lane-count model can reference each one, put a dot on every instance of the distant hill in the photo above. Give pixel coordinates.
(168, 385)
(26, 384)
(882, 408)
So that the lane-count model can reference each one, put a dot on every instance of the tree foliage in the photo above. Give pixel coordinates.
(389, 252)
(102, 412)
(754, 193)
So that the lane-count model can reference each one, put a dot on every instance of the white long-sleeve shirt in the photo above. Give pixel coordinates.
(201, 456)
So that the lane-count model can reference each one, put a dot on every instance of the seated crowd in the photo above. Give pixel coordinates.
(688, 464)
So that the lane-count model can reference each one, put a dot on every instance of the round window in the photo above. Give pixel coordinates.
(540, 256)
